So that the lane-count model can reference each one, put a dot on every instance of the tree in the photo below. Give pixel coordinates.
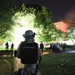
(22, 13)
(71, 34)
(6, 24)
(43, 20)
(6, 14)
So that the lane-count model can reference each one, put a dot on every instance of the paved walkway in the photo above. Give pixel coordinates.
(69, 51)
(66, 51)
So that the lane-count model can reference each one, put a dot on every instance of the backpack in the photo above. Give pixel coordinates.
(29, 53)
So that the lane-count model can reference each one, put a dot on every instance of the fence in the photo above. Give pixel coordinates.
(6, 52)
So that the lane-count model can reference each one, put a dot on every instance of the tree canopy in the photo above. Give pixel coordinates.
(42, 20)
(6, 13)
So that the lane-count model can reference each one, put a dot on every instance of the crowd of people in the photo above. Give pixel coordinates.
(54, 47)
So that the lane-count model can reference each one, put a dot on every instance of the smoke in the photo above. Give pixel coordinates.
(62, 26)
(68, 21)
(70, 17)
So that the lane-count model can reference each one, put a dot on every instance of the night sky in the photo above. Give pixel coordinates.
(59, 8)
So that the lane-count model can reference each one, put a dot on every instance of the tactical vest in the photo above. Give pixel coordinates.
(29, 53)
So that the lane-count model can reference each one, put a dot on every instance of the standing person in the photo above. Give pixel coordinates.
(26, 45)
(41, 46)
(64, 46)
(7, 45)
(12, 46)
(50, 48)
(58, 47)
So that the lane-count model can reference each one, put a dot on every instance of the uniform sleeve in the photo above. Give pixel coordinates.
(39, 55)
(18, 51)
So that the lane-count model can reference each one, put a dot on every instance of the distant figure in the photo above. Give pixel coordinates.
(51, 47)
(12, 46)
(64, 46)
(7, 45)
(41, 46)
(56, 48)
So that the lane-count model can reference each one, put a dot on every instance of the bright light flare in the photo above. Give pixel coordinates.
(25, 23)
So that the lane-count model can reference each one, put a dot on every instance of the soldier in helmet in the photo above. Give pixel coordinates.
(29, 39)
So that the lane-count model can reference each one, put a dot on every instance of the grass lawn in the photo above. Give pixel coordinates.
(2, 48)
(58, 64)
(51, 64)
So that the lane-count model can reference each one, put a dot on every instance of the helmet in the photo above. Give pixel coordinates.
(29, 33)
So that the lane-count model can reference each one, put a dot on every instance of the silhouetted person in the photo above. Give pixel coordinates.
(7, 45)
(41, 46)
(50, 48)
(64, 46)
(12, 46)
